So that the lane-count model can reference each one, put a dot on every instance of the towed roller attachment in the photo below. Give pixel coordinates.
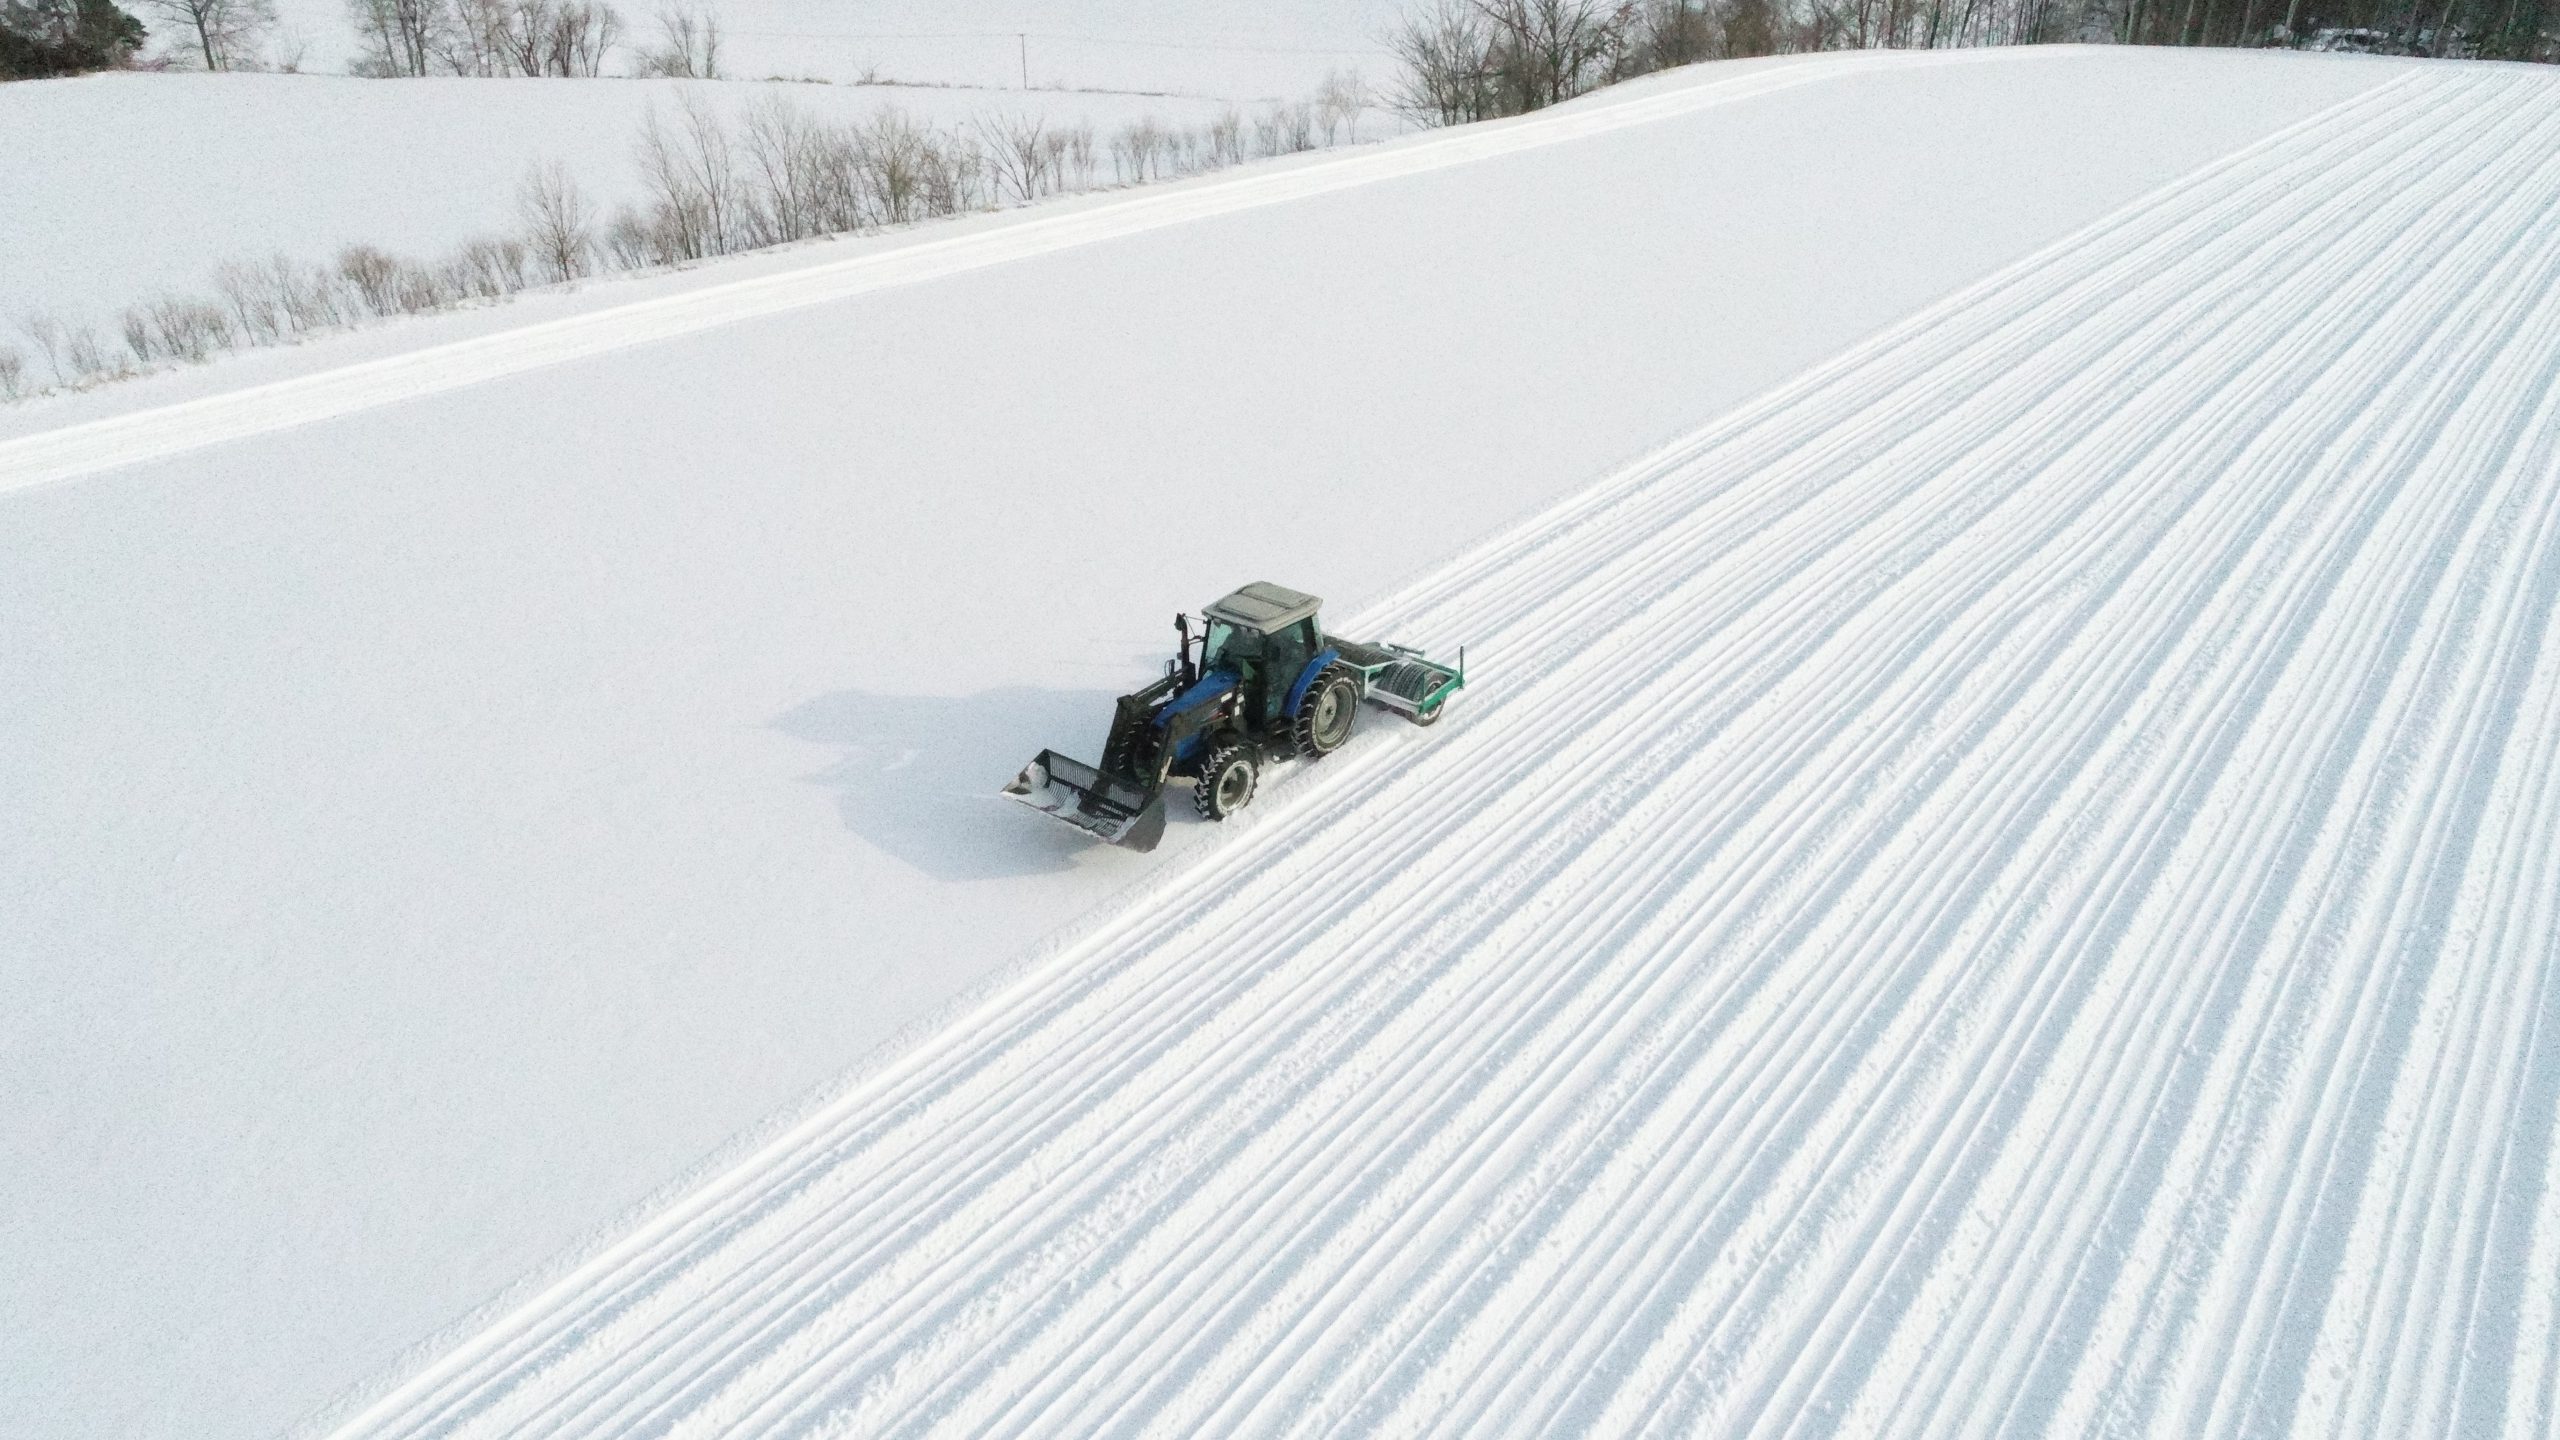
(1104, 806)
(1414, 686)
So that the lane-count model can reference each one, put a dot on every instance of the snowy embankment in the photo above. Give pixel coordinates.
(144, 184)
(1978, 876)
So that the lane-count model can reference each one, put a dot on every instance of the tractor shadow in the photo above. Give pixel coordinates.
(918, 775)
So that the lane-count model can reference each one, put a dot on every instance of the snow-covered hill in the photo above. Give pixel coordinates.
(1996, 883)
(144, 184)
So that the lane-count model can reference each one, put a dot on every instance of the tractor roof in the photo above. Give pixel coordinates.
(1264, 606)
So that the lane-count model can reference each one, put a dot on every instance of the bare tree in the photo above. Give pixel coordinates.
(795, 180)
(138, 336)
(897, 157)
(244, 290)
(1750, 28)
(1549, 51)
(71, 351)
(574, 37)
(559, 225)
(223, 33)
(474, 41)
(306, 297)
(1079, 139)
(630, 242)
(689, 47)
(373, 275)
(13, 373)
(1134, 149)
(1285, 127)
(400, 37)
(51, 337)
(489, 269)
(692, 177)
(87, 356)
(1338, 104)
(1446, 54)
(1668, 33)
(545, 37)
(189, 330)
(1017, 148)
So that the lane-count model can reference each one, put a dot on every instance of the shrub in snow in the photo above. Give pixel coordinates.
(189, 330)
(374, 276)
(559, 225)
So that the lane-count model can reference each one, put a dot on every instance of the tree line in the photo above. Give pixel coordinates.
(1465, 60)
(41, 39)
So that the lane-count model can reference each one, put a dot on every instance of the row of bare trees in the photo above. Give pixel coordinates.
(219, 34)
(709, 186)
(2467, 29)
(274, 301)
(1466, 60)
(519, 37)
(448, 37)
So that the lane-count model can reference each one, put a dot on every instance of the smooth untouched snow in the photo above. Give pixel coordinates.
(438, 822)
(146, 184)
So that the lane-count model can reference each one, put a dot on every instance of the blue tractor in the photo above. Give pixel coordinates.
(1258, 681)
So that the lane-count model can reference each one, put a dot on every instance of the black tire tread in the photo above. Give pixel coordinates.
(1303, 728)
(1204, 798)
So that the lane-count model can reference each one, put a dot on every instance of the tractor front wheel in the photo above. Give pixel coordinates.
(1326, 712)
(1226, 782)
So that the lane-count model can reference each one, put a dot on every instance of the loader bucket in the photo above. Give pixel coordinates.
(1100, 805)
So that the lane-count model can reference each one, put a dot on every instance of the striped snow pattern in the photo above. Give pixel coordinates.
(2010, 888)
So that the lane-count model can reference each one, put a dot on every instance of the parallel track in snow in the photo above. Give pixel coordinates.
(2011, 887)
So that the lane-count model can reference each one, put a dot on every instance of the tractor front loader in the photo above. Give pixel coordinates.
(1258, 683)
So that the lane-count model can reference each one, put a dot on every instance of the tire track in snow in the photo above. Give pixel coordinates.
(1568, 1366)
(1933, 891)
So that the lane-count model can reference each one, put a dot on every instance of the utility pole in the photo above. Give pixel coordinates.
(1024, 40)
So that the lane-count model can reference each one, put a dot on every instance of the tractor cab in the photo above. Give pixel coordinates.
(1266, 635)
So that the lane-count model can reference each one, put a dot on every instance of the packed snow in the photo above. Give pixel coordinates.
(1995, 869)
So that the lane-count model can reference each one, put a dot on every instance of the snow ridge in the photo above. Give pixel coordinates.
(2007, 888)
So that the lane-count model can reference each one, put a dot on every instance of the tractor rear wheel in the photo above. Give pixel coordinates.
(1226, 782)
(1325, 715)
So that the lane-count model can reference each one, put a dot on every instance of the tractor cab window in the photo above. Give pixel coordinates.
(1289, 650)
(1230, 647)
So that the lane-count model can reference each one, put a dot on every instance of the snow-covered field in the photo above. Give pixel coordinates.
(1274, 49)
(2005, 883)
(2011, 886)
(144, 184)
